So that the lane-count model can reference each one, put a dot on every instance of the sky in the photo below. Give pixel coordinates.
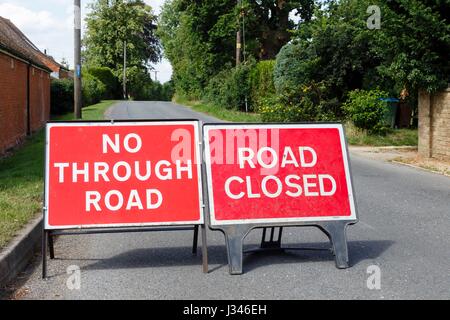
(49, 25)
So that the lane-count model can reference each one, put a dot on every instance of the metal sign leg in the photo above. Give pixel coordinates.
(234, 236)
(44, 254)
(204, 250)
(50, 245)
(195, 241)
(336, 232)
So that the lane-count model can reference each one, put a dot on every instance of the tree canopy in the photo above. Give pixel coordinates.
(110, 24)
(199, 37)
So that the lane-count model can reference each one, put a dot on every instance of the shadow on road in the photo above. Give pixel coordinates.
(359, 251)
(181, 256)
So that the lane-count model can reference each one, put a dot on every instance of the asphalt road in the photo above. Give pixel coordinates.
(404, 229)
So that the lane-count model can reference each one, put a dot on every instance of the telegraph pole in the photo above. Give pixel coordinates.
(238, 47)
(77, 55)
(238, 40)
(125, 70)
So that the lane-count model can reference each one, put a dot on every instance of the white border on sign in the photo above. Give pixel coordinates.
(214, 222)
(195, 124)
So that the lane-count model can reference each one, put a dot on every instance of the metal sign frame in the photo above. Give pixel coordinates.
(235, 231)
(49, 232)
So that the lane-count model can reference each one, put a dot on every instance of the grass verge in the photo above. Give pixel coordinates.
(21, 178)
(400, 137)
(397, 137)
(218, 112)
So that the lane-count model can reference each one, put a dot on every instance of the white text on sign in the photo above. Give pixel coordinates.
(123, 171)
(271, 186)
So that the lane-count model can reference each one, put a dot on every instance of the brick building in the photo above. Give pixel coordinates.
(58, 70)
(24, 86)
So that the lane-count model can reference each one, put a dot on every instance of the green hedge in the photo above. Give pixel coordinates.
(110, 81)
(230, 88)
(93, 89)
(155, 91)
(61, 96)
(261, 82)
(366, 110)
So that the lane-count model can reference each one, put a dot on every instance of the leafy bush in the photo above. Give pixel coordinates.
(168, 91)
(295, 66)
(274, 109)
(155, 91)
(61, 99)
(261, 82)
(106, 76)
(230, 88)
(365, 109)
(93, 89)
(296, 83)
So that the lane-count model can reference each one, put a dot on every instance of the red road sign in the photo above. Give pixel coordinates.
(277, 173)
(104, 174)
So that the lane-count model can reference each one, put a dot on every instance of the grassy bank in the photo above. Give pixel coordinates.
(218, 112)
(21, 178)
(397, 137)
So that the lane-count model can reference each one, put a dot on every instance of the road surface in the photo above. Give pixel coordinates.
(404, 229)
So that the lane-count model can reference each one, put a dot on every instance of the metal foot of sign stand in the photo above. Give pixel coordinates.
(48, 245)
(235, 234)
(234, 237)
(336, 232)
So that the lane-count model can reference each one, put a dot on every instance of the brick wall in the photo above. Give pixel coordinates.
(39, 98)
(434, 124)
(13, 100)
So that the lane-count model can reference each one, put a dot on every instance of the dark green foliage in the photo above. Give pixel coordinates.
(261, 82)
(328, 54)
(304, 104)
(155, 91)
(93, 89)
(336, 53)
(366, 110)
(168, 91)
(230, 88)
(199, 37)
(106, 76)
(61, 96)
(416, 39)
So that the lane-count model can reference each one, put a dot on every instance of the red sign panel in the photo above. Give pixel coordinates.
(277, 173)
(106, 174)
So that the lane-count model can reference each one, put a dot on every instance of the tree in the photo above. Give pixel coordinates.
(199, 37)
(335, 52)
(268, 23)
(197, 41)
(416, 35)
(111, 24)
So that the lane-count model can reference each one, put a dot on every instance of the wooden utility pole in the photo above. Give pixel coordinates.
(125, 96)
(238, 40)
(77, 55)
(238, 47)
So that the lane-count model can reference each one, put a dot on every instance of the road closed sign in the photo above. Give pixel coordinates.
(268, 174)
(114, 174)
